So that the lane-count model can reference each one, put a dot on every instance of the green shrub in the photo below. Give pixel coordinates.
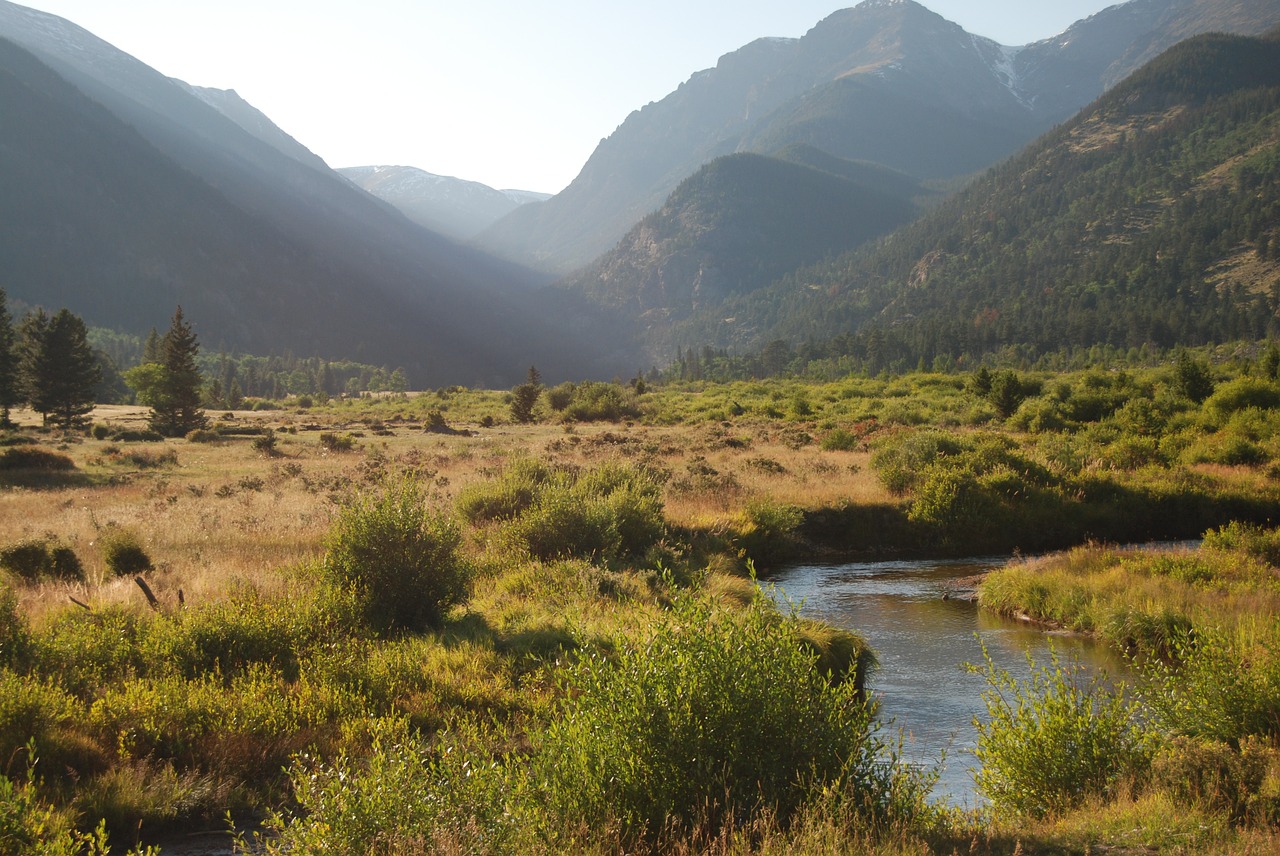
(100, 431)
(122, 552)
(203, 435)
(561, 396)
(246, 728)
(1240, 394)
(611, 512)
(29, 826)
(134, 435)
(35, 458)
(1246, 538)
(337, 442)
(1053, 740)
(91, 651)
(403, 794)
(15, 641)
(768, 532)
(226, 638)
(1039, 416)
(840, 440)
(1242, 782)
(41, 558)
(1232, 451)
(38, 713)
(594, 401)
(144, 459)
(265, 443)
(507, 496)
(900, 461)
(399, 561)
(720, 714)
(1218, 685)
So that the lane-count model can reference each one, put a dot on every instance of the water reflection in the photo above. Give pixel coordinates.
(923, 641)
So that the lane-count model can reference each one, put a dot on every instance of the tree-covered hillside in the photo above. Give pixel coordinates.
(737, 225)
(1151, 218)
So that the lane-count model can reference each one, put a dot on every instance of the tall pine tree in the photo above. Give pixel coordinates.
(175, 408)
(10, 392)
(58, 367)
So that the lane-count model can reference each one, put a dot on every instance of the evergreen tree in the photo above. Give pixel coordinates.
(525, 396)
(176, 408)
(1192, 379)
(59, 368)
(152, 351)
(9, 387)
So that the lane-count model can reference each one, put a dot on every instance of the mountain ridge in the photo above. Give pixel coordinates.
(1147, 219)
(445, 312)
(453, 207)
(895, 61)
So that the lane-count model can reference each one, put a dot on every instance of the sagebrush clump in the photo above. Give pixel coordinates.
(122, 552)
(399, 560)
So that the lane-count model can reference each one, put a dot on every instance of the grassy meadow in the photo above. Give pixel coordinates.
(406, 624)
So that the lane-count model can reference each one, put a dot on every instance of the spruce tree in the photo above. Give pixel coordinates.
(525, 396)
(58, 367)
(176, 407)
(10, 393)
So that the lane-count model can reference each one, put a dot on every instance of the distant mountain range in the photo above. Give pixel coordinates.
(1153, 217)
(125, 193)
(754, 203)
(887, 82)
(453, 207)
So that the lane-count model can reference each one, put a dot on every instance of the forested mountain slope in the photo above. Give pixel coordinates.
(1153, 217)
(737, 225)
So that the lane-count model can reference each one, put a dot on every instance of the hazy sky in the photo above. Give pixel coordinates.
(513, 93)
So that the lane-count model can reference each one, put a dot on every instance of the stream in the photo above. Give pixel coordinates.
(922, 642)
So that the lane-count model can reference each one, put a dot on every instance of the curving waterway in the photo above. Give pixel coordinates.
(922, 641)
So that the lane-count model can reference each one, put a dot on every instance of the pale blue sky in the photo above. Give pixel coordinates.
(512, 93)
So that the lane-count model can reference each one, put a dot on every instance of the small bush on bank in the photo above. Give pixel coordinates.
(1243, 782)
(1052, 741)
(399, 561)
(719, 715)
(900, 461)
(403, 794)
(768, 532)
(35, 711)
(1246, 538)
(122, 552)
(38, 559)
(1218, 685)
(265, 443)
(506, 496)
(608, 513)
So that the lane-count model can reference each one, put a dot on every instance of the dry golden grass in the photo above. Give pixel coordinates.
(225, 513)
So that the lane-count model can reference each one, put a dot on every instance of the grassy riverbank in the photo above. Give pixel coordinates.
(408, 625)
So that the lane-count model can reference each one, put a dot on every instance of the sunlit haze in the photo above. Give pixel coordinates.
(512, 94)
